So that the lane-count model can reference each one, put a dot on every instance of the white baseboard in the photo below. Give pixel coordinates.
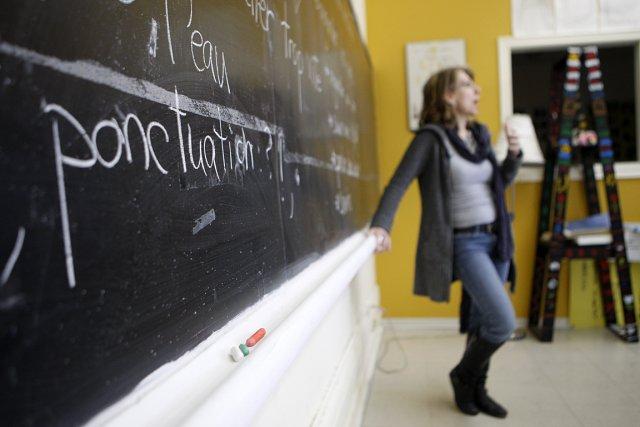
(416, 325)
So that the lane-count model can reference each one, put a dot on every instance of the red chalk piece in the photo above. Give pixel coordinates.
(257, 336)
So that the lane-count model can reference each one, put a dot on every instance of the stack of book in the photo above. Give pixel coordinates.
(590, 231)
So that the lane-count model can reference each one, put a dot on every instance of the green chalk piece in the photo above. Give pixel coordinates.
(244, 349)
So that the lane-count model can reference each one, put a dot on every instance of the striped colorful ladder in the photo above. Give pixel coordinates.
(549, 256)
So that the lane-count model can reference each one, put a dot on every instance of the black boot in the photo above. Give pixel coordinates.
(464, 384)
(484, 402)
(465, 376)
(464, 391)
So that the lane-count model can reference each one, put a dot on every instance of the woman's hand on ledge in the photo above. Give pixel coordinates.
(383, 239)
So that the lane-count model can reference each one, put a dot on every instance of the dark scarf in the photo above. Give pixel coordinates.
(504, 243)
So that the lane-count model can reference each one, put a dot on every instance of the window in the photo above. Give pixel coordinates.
(533, 75)
(526, 69)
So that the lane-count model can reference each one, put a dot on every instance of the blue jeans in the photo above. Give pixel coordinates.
(483, 277)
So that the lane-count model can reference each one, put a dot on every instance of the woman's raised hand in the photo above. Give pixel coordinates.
(383, 239)
(513, 141)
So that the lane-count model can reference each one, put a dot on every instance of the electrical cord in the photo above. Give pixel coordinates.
(385, 349)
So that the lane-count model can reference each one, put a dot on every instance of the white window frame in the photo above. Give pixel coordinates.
(507, 46)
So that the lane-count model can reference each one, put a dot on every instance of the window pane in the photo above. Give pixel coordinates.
(532, 82)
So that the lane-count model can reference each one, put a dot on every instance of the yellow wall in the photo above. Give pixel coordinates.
(390, 26)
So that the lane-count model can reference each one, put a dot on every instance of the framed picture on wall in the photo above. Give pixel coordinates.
(422, 60)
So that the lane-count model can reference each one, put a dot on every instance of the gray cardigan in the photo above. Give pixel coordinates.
(427, 158)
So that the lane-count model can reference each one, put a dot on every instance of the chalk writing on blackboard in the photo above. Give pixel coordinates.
(169, 163)
(15, 254)
(204, 220)
(212, 60)
(153, 39)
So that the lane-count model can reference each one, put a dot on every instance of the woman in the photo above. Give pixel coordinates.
(465, 228)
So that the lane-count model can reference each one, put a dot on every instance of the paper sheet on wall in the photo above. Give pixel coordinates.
(532, 17)
(576, 16)
(619, 14)
(522, 126)
(585, 303)
(632, 240)
(422, 60)
(546, 17)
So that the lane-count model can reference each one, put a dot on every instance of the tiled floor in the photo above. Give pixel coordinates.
(583, 378)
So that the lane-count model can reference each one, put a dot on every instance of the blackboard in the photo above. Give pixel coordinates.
(163, 165)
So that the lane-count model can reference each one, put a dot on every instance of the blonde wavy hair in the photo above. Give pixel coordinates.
(434, 108)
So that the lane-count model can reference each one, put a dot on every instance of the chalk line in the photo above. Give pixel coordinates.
(15, 253)
(64, 212)
(203, 221)
(166, 14)
(96, 73)
(304, 159)
(152, 46)
(291, 213)
(190, 13)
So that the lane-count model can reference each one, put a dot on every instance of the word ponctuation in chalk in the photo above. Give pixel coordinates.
(214, 154)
